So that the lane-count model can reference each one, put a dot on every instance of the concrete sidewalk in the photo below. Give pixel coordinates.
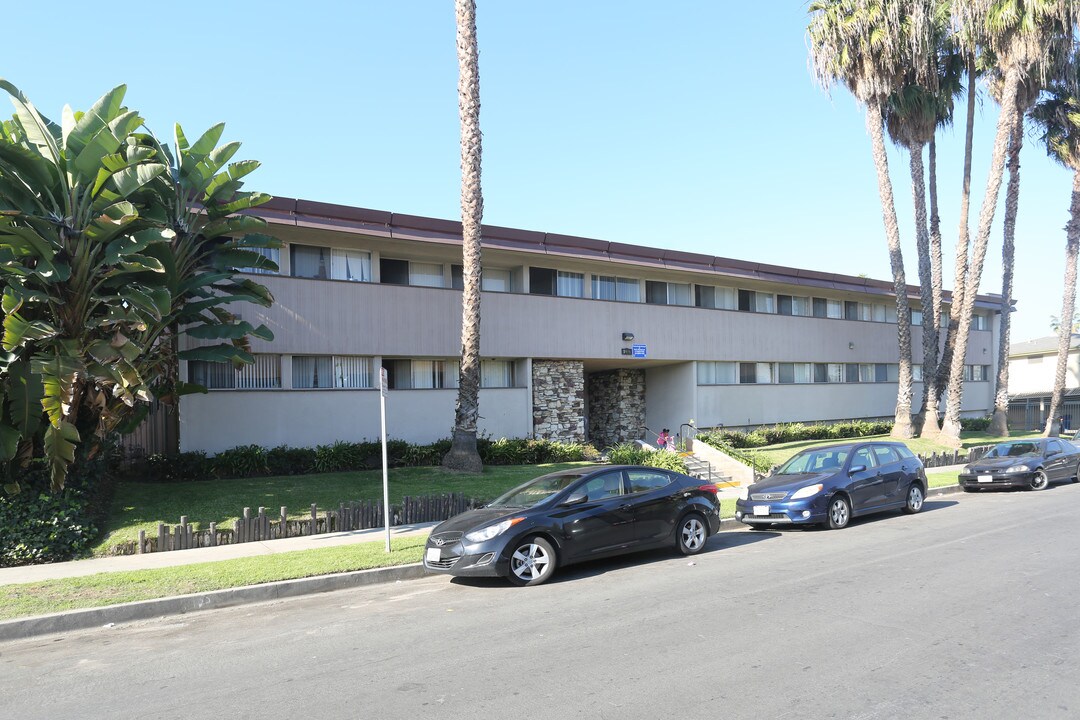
(79, 568)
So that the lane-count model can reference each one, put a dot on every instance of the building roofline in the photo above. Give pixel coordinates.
(381, 223)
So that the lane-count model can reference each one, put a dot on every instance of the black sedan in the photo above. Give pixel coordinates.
(575, 515)
(1031, 464)
(830, 485)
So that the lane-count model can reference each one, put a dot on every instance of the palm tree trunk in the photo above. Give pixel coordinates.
(999, 425)
(463, 455)
(902, 427)
(963, 240)
(930, 424)
(1068, 303)
(950, 429)
(927, 421)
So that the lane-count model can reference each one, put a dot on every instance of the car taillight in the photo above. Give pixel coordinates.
(714, 489)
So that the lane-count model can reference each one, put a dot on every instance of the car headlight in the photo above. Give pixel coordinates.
(966, 470)
(1018, 468)
(808, 491)
(744, 492)
(492, 530)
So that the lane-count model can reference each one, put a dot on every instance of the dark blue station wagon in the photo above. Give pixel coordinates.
(832, 484)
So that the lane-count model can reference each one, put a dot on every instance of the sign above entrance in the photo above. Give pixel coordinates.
(640, 351)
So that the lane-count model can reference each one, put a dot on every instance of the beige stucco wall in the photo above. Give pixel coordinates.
(734, 405)
(323, 316)
(304, 418)
(1036, 373)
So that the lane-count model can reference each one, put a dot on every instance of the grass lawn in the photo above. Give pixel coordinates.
(120, 587)
(776, 454)
(941, 478)
(141, 506)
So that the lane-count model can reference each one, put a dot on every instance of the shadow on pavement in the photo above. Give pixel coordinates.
(591, 568)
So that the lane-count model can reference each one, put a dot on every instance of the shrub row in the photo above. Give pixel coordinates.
(256, 461)
(40, 526)
(975, 424)
(633, 454)
(791, 432)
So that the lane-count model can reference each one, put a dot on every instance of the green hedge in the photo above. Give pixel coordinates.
(40, 526)
(791, 432)
(975, 424)
(255, 461)
(716, 440)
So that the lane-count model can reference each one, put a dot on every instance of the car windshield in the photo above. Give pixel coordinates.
(536, 491)
(1016, 449)
(814, 461)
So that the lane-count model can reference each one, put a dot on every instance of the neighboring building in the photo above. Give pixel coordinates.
(1032, 365)
(720, 341)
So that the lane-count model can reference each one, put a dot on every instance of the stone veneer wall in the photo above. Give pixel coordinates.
(558, 391)
(616, 406)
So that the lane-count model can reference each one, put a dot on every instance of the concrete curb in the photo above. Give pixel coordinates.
(20, 628)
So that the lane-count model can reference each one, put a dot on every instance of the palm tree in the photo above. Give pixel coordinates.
(952, 64)
(1028, 94)
(1059, 117)
(911, 119)
(967, 18)
(864, 45)
(463, 455)
(1023, 35)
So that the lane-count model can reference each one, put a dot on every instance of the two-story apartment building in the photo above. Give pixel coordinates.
(580, 338)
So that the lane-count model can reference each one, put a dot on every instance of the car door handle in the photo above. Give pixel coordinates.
(627, 506)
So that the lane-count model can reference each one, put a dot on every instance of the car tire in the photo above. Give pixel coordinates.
(692, 533)
(532, 562)
(915, 499)
(839, 513)
(1039, 481)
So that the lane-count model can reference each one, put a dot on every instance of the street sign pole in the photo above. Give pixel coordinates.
(385, 474)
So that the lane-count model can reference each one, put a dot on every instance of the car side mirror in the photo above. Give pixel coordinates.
(856, 469)
(576, 498)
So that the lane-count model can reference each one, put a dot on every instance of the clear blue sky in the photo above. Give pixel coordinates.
(690, 125)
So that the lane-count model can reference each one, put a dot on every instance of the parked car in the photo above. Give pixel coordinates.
(1031, 464)
(575, 515)
(832, 484)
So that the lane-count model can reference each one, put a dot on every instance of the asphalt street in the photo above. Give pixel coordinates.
(967, 610)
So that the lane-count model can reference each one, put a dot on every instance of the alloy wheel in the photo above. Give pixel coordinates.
(693, 534)
(530, 562)
(839, 513)
(1039, 481)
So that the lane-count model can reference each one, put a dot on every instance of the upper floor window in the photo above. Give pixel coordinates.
(263, 374)
(916, 373)
(330, 263)
(979, 322)
(916, 317)
(753, 301)
(271, 254)
(491, 279)
(793, 305)
(976, 373)
(719, 298)
(667, 293)
(405, 272)
(609, 287)
(545, 281)
(824, 308)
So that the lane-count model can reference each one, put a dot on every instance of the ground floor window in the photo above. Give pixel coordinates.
(263, 374)
(331, 371)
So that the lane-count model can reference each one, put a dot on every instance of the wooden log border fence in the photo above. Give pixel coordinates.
(942, 459)
(362, 515)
